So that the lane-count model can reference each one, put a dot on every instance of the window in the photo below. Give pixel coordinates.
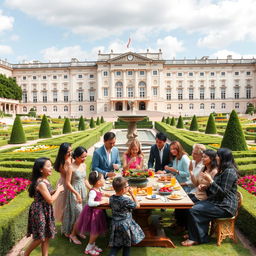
(155, 106)
(248, 92)
(236, 105)
(129, 73)
(65, 96)
(142, 92)
(168, 74)
(236, 73)
(55, 109)
(168, 94)
(236, 93)
(202, 106)
(212, 74)
(44, 96)
(80, 108)
(142, 73)
(191, 93)
(118, 73)
(34, 77)
(180, 106)
(91, 76)
(24, 109)
(105, 107)
(105, 92)
(154, 91)
(65, 108)
(191, 106)
(80, 96)
(34, 95)
(80, 76)
(155, 72)
(223, 105)
(223, 73)
(119, 89)
(201, 74)
(65, 76)
(180, 74)
(91, 108)
(44, 77)
(169, 106)
(223, 93)
(55, 96)
(44, 108)
(212, 106)
(54, 77)
(180, 94)
(248, 73)
(201, 93)
(105, 73)
(130, 92)
(24, 97)
(24, 78)
(92, 96)
(212, 93)
(190, 73)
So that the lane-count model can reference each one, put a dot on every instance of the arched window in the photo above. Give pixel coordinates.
(191, 106)
(91, 108)
(212, 106)
(55, 109)
(44, 108)
(24, 109)
(119, 89)
(202, 106)
(142, 83)
(80, 108)
(223, 105)
(65, 108)
(169, 106)
(119, 84)
(236, 105)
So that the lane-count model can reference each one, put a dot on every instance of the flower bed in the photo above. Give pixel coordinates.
(34, 148)
(10, 187)
(248, 182)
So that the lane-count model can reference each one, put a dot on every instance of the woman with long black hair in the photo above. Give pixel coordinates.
(221, 201)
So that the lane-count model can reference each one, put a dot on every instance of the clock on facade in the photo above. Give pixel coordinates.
(130, 57)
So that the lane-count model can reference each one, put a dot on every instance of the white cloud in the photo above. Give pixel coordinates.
(14, 37)
(5, 50)
(6, 22)
(222, 54)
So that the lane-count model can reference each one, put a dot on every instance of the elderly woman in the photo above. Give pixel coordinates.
(221, 201)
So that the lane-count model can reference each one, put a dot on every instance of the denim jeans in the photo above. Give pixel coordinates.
(114, 251)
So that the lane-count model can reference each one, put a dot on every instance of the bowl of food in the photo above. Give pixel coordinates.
(166, 190)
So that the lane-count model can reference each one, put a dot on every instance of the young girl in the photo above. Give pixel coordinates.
(133, 157)
(124, 230)
(41, 221)
(93, 220)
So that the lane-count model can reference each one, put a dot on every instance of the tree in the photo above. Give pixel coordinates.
(92, 123)
(211, 127)
(173, 121)
(17, 134)
(32, 112)
(163, 119)
(180, 124)
(168, 120)
(81, 125)
(98, 121)
(9, 89)
(250, 109)
(45, 130)
(102, 120)
(234, 137)
(193, 125)
(66, 126)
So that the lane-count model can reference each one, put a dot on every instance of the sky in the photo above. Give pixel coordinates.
(58, 30)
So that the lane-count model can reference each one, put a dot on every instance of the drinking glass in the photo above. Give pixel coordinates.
(173, 181)
(149, 191)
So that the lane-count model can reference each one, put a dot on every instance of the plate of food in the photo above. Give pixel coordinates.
(153, 197)
(141, 191)
(164, 179)
(108, 188)
(175, 197)
(166, 190)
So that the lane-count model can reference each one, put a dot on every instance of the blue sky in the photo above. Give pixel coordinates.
(57, 30)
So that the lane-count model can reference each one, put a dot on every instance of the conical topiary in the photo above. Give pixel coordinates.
(102, 120)
(168, 120)
(211, 127)
(81, 125)
(193, 125)
(180, 123)
(92, 123)
(173, 122)
(234, 137)
(45, 130)
(163, 119)
(66, 126)
(98, 121)
(17, 135)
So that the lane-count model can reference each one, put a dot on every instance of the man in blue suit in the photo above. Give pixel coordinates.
(160, 154)
(106, 158)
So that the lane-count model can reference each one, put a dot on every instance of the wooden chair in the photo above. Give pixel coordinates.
(225, 227)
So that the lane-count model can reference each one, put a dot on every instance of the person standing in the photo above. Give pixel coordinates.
(160, 155)
(106, 159)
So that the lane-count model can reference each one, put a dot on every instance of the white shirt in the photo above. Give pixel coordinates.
(108, 155)
(196, 170)
(92, 196)
(161, 152)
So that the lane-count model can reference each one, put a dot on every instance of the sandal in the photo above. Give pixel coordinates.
(82, 236)
(97, 249)
(189, 243)
(74, 239)
(92, 252)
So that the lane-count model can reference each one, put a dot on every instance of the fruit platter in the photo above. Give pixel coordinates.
(166, 190)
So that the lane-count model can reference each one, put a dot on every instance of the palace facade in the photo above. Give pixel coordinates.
(175, 87)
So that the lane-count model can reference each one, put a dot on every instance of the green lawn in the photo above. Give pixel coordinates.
(61, 246)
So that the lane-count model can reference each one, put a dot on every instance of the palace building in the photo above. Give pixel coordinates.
(175, 87)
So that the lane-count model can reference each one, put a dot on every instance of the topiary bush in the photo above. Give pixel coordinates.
(81, 125)
(98, 121)
(17, 134)
(102, 120)
(163, 119)
(173, 121)
(234, 137)
(92, 123)
(168, 120)
(45, 130)
(211, 127)
(193, 125)
(66, 126)
(180, 124)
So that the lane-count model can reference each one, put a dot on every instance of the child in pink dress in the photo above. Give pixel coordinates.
(93, 220)
(133, 157)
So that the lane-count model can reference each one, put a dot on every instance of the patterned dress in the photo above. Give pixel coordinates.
(134, 164)
(40, 219)
(124, 230)
(72, 208)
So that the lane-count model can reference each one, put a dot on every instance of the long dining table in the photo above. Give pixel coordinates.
(154, 233)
